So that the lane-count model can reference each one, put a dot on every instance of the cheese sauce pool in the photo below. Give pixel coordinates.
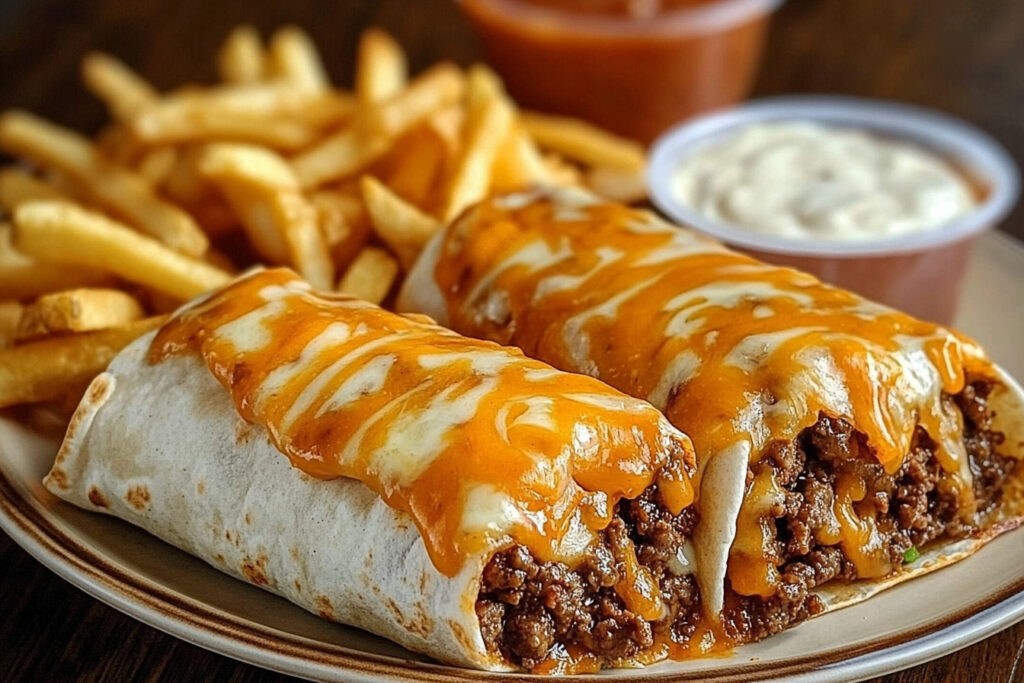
(806, 180)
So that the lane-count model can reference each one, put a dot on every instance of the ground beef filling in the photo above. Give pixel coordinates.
(912, 507)
(526, 608)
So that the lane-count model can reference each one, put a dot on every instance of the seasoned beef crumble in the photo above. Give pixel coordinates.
(912, 507)
(526, 607)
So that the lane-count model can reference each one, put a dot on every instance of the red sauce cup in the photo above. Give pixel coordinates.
(632, 75)
(919, 272)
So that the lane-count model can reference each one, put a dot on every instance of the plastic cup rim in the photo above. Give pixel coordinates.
(704, 18)
(955, 140)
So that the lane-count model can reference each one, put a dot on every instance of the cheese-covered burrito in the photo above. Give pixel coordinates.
(447, 493)
(836, 439)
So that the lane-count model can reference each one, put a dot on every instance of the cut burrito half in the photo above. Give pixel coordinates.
(842, 446)
(450, 494)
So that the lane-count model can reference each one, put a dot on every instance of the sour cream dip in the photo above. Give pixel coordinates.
(820, 182)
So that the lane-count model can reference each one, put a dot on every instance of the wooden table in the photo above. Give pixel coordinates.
(963, 57)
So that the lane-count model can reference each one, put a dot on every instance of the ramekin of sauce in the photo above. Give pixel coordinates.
(634, 67)
(881, 198)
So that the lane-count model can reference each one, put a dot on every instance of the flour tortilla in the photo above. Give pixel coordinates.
(162, 446)
(723, 479)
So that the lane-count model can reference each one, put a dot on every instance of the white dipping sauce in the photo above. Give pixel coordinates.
(802, 179)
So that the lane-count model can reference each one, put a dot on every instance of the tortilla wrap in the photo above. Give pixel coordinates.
(739, 354)
(193, 433)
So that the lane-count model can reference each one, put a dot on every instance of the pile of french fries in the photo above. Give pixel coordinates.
(100, 238)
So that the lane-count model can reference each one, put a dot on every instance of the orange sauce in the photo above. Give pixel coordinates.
(613, 292)
(634, 67)
(531, 439)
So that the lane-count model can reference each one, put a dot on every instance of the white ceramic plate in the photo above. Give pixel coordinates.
(920, 620)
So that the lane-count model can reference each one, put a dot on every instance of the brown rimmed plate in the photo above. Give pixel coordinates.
(165, 588)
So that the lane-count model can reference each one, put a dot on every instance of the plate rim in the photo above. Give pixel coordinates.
(32, 526)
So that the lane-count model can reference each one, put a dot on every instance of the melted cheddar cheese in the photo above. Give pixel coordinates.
(477, 443)
(731, 349)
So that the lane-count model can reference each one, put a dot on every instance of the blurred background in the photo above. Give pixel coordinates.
(960, 57)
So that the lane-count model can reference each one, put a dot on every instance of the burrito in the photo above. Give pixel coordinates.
(446, 493)
(842, 446)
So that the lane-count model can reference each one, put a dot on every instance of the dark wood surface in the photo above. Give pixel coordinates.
(961, 56)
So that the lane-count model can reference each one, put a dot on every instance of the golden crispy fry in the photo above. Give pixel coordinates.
(437, 87)
(339, 156)
(488, 121)
(616, 184)
(10, 315)
(241, 58)
(77, 310)
(583, 142)
(266, 197)
(399, 225)
(371, 275)
(344, 224)
(216, 217)
(63, 232)
(369, 137)
(273, 114)
(447, 123)
(157, 164)
(121, 89)
(519, 163)
(23, 277)
(54, 368)
(381, 68)
(18, 185)
(293, 57)
(415, 167)
(185, 184)
(114, 187)
(117, 143)
(561, 171)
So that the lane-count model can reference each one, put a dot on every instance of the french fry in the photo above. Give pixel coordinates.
(10, 315)
(369, 137)
(23, 277)
(618, 185)
(157, 164)
(185, 185)
(266, 197)
(114, 187)
(271, 114)
(371, 275)
(399, 225)
(241, 58)
(344, 224)
(381, 68)
(561, 171)
(446, 123)
(63, 232)
(519, 163)
(77, 310)
(338, 156)
(18, 185)
(54, 368)
(121, 89)
(583, 142)
(117, 143)
(293, 57)
(437, 87)
(216, 217)
(488, 121)
(415, 167)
